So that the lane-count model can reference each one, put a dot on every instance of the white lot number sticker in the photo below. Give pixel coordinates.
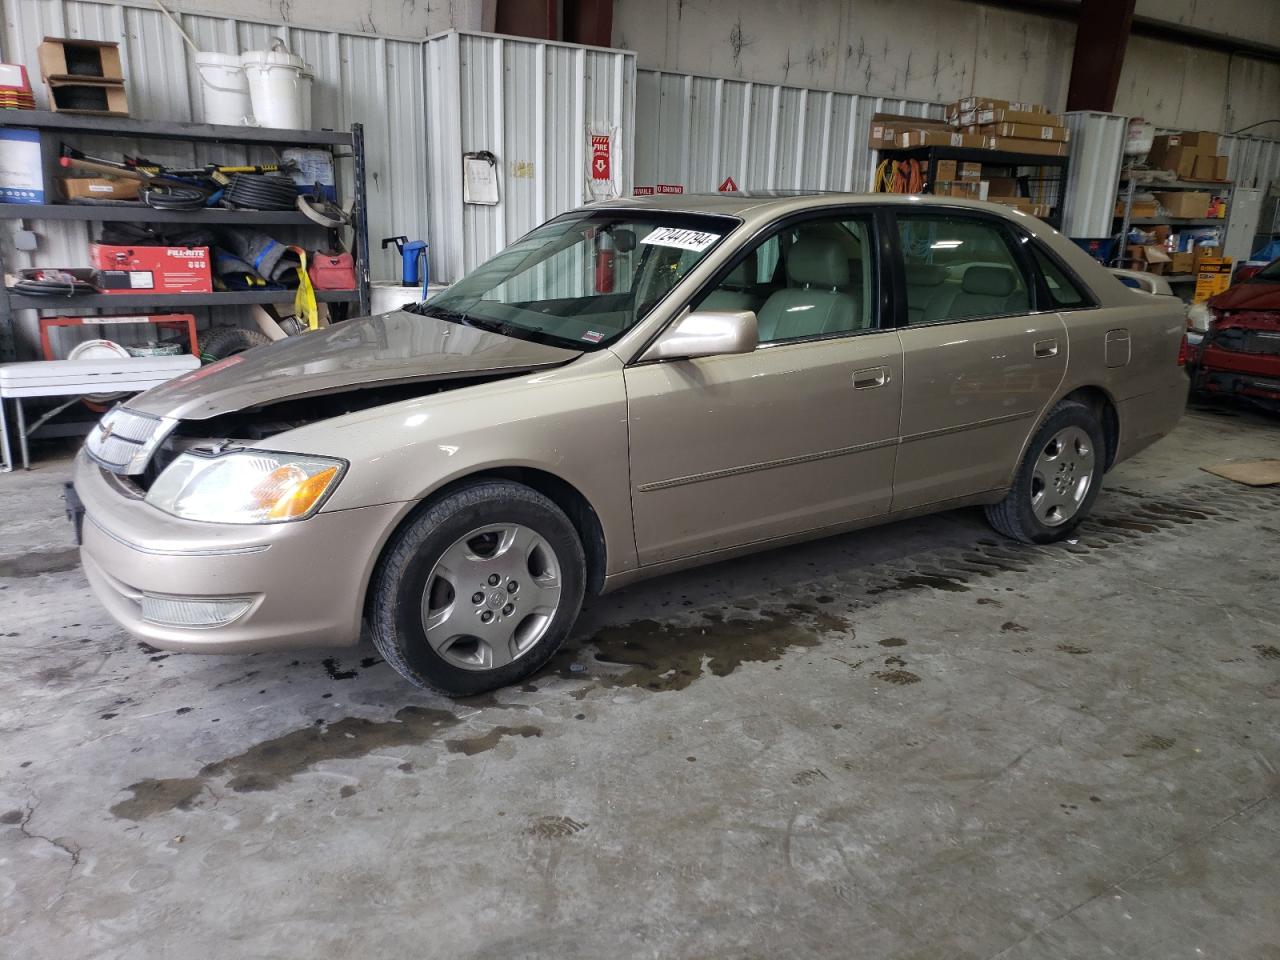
(696, 240)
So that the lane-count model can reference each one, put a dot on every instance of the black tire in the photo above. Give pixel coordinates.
(219, 343)
(400, 580)
(1014, 516)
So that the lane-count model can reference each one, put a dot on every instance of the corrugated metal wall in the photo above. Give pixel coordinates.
(1255, 162)
(694, 131)
(529, 103)
(1097, 149)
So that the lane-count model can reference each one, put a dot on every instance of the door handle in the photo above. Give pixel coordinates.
(1046, 348)
(871, 377)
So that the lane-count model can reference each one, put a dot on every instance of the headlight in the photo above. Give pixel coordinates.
(249, 486)
(1199, 317)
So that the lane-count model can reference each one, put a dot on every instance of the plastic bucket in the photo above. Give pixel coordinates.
(307, 79)
(275, 88)
(224, 89)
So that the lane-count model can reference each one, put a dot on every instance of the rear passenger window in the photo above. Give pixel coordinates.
(959, 269)
(1063, 292)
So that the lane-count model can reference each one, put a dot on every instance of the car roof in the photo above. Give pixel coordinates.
(770, 204)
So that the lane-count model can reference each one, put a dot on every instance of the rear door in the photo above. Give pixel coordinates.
(796, 436)
(980, 362)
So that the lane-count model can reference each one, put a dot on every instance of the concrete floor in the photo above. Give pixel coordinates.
(911, 742)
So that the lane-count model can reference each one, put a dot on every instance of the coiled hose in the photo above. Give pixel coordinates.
(260, 191)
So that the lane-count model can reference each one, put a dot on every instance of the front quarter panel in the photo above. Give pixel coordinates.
(569, 422)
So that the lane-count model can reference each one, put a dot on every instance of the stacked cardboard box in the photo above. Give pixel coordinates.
(1011, 126)
(1192, 155)
(83, 76)
(886, 128)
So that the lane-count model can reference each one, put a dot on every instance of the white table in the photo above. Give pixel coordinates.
(76, 378)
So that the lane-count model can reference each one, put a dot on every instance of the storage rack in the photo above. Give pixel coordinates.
(1133, 179)
(53, 127)
(1052, 187)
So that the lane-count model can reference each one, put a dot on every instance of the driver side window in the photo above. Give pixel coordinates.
(810, 279)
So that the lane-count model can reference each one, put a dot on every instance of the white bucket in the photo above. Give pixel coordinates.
(308, 79)
(275, 88)
(224, 89)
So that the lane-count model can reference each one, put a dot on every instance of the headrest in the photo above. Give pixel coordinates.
(818, 262)
(988, 281)
(925, 274)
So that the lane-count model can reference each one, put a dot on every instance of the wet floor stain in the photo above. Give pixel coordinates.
(1072, 649)
(665, 656)
(554, 828)
(268, 764)
(1156, 742)
(34, 564)
(915, 581)
(898, 677)
(1266, 651)
(487, 741)
(806, 777)
(11, 817)
(892, 642)
(347, 791)
(335, 671)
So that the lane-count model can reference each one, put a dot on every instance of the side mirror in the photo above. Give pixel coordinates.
(706, 333)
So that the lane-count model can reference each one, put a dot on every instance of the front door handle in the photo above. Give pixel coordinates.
(871, 377)
(1046, 348)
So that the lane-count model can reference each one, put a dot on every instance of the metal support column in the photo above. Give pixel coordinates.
(1101, 36)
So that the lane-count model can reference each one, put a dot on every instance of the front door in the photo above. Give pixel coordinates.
(979, 364)
(796, 436)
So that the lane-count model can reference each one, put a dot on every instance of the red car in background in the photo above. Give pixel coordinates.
(1240, 353)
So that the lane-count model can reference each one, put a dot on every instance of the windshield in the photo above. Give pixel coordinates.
(584, 279)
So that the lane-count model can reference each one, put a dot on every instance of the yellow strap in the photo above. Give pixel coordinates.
(304, 300)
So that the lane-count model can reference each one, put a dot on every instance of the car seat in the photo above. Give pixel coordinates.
(923, 280)
(986, 291)
(813, 304)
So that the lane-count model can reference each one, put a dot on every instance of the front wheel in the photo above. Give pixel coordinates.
(1058, 479)
(479, 590)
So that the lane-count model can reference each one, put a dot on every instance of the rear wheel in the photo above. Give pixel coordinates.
(1058, 479)
(479, 590)
(222, 342)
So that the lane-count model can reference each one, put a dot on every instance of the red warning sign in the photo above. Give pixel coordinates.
(671, 188)
(642, 192)
(600, 156)
(728, 186)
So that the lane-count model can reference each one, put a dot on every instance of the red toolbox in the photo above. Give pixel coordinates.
(151, 269)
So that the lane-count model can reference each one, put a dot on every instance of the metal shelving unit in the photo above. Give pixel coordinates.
(1053, 187)
(1131, 180)
(54, 127)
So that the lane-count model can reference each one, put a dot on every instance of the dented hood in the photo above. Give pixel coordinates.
(1250, 295)
(395, 347)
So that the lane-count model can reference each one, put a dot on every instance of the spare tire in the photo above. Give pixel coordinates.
(222, 342)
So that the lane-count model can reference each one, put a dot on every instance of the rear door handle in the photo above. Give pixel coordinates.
(871, 377)
(1046, 348)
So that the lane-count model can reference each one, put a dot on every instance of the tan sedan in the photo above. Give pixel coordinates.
(632, 388)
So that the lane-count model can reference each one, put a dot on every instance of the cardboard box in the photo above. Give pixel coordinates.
(98, 188)
(1181, 160)
(1041, 210)
(1181, 263)
(1186, 204)
(1200, 254)
(1025, 131)
(969, 170)
(103, 98)
(968, 104)
(886, 128)
(1153, 259)
(21, 171)
(1002, 187)
(1221, 167)
(1161, 146)
(67, 59)
(1213, 275)
(968, 189)
(945, 170)
(939, 138)
(1048, 148)
(1021, 203)
(151, 269)
(1201, 141)
(1141, 210)
(1205, 168)
(1002, 115)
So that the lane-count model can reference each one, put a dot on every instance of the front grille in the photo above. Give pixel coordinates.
(124, 439)
(1243, 340)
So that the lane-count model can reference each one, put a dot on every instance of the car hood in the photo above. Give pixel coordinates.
(1250, 295)
(396, 347)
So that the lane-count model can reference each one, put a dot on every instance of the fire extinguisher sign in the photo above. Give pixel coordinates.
(600, 157)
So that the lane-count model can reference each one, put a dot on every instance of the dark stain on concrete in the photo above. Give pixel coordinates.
(1267, 651)
(1073, 649)
(1009, 626)
(554, 828)
(11, 817)
(34, 564)
(347, 791)
(893, 642)
(898, 677)
(664, 656)
(1156, 742)
(487, 741)
(806, 777)
(267, 765)
(368, 662)
(331, 667)
(916, 581)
